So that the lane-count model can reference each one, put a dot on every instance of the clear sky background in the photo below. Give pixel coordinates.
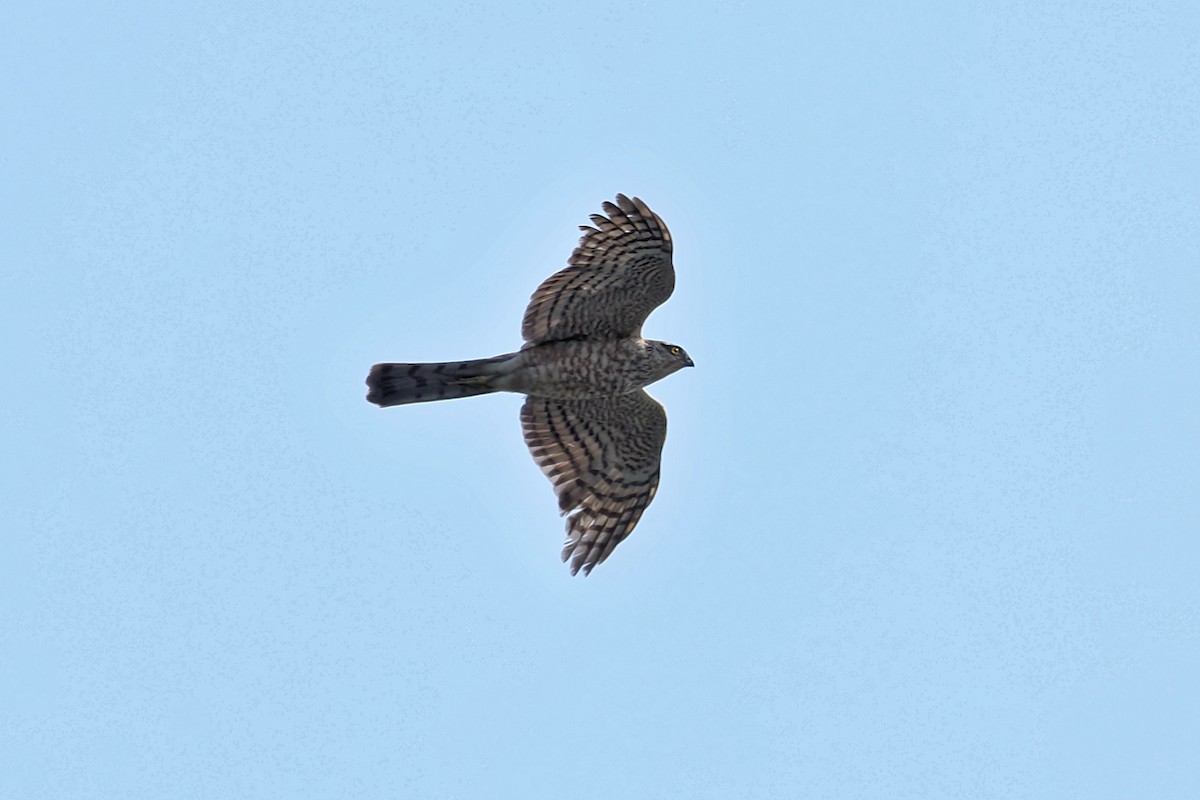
(928, 523)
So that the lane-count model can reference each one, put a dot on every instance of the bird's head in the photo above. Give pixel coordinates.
(666, 358)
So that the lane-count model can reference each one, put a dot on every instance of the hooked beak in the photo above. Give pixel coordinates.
(690, 363)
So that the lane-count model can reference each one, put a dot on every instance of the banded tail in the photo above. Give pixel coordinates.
(397, 384)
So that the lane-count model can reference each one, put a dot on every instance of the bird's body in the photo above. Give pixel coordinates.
(578, 369)
(584, 369)
(587, 422)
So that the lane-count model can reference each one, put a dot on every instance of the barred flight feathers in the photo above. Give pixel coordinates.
(619, 273)
(603, 458)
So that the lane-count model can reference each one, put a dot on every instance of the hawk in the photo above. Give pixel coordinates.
(588, 422)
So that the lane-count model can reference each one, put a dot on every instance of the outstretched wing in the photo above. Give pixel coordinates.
(602, 457)
(619, 273)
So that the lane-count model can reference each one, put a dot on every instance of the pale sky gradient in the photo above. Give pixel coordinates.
(929, 517)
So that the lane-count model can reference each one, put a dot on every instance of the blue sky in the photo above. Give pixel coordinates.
(928, 519)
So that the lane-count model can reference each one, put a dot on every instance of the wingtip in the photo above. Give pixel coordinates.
(578, 560)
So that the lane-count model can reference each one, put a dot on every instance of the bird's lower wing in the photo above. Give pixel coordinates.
(603, 458)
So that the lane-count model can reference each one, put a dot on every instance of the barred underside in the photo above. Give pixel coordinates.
(602, 456)
(596, 435)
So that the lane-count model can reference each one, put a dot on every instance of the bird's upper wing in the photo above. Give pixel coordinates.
(603, 458)
(619, 273)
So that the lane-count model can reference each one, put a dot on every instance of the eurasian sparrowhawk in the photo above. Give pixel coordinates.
(590, 426)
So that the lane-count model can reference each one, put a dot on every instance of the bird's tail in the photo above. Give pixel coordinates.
(397, 384)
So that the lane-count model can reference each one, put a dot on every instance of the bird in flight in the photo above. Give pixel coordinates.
(587, 420)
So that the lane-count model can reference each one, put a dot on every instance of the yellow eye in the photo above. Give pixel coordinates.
(675, 351)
